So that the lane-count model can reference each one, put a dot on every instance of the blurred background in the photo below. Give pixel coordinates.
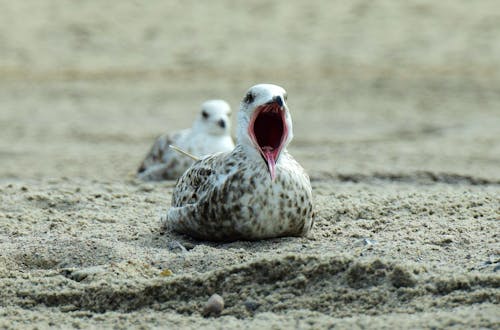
(374, 86)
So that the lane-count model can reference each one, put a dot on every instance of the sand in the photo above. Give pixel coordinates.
(396, 119)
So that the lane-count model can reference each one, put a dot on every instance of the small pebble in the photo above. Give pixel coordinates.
(214, 306)
(166, 272)
(251, 305)
(367, 241)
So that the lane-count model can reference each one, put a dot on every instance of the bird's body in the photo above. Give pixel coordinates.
(210, 134)
(255, 191)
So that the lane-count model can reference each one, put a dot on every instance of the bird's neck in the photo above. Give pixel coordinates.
(249, 150)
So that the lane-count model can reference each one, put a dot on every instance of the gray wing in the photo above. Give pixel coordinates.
(189, 201)
(162, 162)
(195, 183)
(199, 198)
(156, 153)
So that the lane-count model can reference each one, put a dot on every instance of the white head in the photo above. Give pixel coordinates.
(214, 118)
(265, 124)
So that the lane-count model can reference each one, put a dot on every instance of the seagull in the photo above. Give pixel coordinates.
(257, 190)
(209, 134)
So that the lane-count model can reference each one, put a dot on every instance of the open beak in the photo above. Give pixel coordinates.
(268, 130)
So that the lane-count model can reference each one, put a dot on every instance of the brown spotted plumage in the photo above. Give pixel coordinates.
(254, 192)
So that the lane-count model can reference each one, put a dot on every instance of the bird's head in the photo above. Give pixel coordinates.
(264, 123)
(214, 118)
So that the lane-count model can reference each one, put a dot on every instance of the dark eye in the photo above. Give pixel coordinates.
(285, 96)
(248, 98)
(204, 114)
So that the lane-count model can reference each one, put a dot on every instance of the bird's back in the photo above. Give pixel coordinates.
(228, 197)
(162, 162)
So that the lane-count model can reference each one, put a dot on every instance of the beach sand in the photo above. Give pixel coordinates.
(396, 110)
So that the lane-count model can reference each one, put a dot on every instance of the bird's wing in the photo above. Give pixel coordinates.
(160, 153)
(198, 191)
(194, 183)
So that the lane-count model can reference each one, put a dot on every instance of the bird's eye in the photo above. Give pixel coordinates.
(204, 114)
(248, 98)
(285, 96)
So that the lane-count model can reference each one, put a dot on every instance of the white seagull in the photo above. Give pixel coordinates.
(256, 191)
(209, 134)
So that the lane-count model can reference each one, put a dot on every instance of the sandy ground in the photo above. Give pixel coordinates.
(396, 118)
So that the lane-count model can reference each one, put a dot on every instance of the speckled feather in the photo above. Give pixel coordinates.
(162, 163)
(231, 196)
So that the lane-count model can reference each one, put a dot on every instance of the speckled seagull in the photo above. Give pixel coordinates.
(254, 192)
(209, 134)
